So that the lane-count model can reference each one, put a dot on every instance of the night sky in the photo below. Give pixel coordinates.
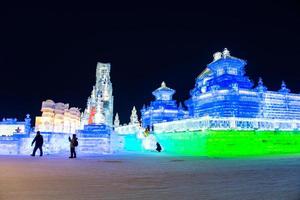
(50, 52)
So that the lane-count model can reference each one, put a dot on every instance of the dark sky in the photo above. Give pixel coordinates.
(51, 51)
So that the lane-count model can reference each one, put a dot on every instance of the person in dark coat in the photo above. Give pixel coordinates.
(158, 147)
(39, 141)
(73, 144)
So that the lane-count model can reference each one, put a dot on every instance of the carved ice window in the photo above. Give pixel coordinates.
(232, 71)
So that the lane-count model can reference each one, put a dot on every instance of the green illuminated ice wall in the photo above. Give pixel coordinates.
(230, 143)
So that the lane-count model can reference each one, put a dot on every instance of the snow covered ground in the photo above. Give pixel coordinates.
(148, 176)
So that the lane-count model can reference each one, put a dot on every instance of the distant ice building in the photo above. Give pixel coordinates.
(11, 126)
(57, 118)
(163, 108)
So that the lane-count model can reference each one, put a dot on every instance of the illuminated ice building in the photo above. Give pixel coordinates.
(14, 135)
(97, 119)
(225, 98)
(163, 108)
(99, 109)
(57, 118)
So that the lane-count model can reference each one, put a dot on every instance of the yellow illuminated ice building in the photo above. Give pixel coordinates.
(57, 118)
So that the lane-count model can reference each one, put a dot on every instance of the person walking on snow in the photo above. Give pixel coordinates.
(38, 140)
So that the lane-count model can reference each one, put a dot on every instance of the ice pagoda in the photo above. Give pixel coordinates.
(163, 108)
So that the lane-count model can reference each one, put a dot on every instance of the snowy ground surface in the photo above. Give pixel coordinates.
(148, 176)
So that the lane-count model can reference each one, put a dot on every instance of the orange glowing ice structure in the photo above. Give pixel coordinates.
(57, 118)
(92, 115)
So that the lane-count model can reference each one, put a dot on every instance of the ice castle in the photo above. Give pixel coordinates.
(225, 98)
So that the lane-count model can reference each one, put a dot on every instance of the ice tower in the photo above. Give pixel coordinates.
(97, 118)
(100, 104)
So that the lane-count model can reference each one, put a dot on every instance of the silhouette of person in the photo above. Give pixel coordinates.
(39, 141)
(158, 147)
(73, 144)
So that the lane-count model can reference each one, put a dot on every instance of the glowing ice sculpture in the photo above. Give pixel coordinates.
(57, 118)
(96, 131)
(101, 93)
(132, 128)
(224, 98)
(163, 109)
(117, 120)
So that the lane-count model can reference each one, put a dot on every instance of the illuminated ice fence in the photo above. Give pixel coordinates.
(226, 123)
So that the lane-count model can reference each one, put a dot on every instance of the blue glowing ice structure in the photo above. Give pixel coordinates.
(163, 109)
(223, 90)
(224, 98)
(95, 139)
(14, 135)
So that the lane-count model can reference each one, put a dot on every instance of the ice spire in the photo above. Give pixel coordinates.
(260, 86)
(117, 120)
(134, 118)
(284, 89)
(226, 53)
(180, 106)
(163, 84)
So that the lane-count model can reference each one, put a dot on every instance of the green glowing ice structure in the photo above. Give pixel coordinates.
(230, 143)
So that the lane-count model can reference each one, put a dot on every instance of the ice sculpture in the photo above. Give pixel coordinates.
(117, 120)
(97, 119)
(101, 94)
(57, 118)
(163, 108)
(134, 117)
(133, 127)
(224, 98)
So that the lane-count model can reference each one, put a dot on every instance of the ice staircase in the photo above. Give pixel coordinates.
(95, 139)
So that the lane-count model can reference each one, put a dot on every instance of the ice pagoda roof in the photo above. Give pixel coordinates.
(163, 89)
(225, 56)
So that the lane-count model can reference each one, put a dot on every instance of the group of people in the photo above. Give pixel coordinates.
(39, 141)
